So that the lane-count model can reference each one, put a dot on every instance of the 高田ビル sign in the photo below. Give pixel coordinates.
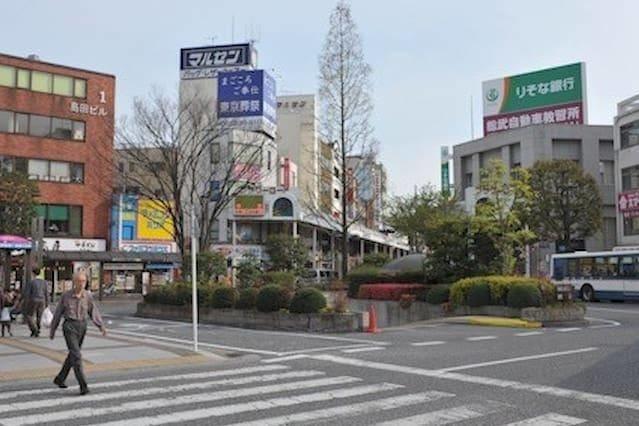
(553, 95)
(248, 99)
(205, 62)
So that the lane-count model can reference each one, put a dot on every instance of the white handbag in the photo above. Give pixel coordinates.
(47, 317)
(5, 315)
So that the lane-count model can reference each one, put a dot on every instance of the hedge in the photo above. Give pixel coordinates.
(247, 298)
(478, 295)
(367, 274)
(223, 297)
(270, 299)
(499, 287)
(523, 295)
(438, 294)
(177, 293)
(389, 291)
(307, 301)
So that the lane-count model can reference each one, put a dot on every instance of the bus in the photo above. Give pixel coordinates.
(609, 275)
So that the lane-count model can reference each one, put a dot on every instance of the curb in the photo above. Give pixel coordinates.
(495, 322)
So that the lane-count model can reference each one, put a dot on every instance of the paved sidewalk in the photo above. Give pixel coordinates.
(23, 357)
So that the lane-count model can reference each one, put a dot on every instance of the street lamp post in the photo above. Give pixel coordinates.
(194, 279)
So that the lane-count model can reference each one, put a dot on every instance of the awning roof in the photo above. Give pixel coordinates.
(112, 256)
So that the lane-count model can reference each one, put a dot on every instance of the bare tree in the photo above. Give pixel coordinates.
(346, 108)
(181, 157)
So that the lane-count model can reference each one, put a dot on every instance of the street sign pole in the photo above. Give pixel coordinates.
(194, 278)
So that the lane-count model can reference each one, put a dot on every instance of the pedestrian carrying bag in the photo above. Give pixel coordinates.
(47, 317)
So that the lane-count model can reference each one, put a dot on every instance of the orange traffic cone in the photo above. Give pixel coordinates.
(372, 320)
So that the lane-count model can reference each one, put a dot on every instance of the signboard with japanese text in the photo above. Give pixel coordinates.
(154, 223)
(628, 203)
(553, 95)
(148, 247)
(249, 205)
(74, 244)
(207, 61)
(248, 99)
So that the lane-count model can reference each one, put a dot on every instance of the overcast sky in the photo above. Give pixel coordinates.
(428, 57)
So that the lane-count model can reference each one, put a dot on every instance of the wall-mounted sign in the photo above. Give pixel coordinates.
(154, 222)
(205, 62)
(553, 95)
(123, 267)
(247, 99)
(74, 244)
(628, 203)
(83, 108)
(148, 247)
(249, 205)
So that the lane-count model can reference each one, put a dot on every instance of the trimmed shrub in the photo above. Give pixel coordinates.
(204, 293)
(548, 292)
(365, 274)
(270, 299)
(389, 291)
(223, 298)
(247, 298)
(410, 277)
(307, 301)
(376, 259)
(478, 295)
(177, 293)
(524, 295)
(499, 287)
(438, 294)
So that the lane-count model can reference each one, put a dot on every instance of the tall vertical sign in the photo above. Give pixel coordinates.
(445, 170)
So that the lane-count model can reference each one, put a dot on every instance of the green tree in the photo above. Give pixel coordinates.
(286, 253)
(376, 259)
(249, 272)
(17, 203)
(502, 212)
(566, 203)
(210, 265)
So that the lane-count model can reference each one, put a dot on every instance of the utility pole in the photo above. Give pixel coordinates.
(194, 278)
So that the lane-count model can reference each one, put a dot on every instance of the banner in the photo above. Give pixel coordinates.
(249, 205)
(154, 223)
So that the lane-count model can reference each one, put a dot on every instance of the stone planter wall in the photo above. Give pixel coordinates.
(323, 322)
(391, 314)
(555, 315)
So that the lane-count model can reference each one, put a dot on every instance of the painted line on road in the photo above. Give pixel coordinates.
(621, 311)
(327, 348)
(517, 359)
(99, 397)
(357, 409)
(613, 401)
(448, 415)
(430, 343)
(607, 323)
(150, 404)
(480, 338)
(176, 377)
(206, 413)
(550, 419)
(529, 333)
(368, 349)
(568, 329)
(284, 358)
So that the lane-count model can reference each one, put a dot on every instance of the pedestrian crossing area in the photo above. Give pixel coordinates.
(259, 395)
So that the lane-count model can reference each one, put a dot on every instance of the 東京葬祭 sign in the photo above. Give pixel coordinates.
(553, 95)
(154, 222)
(248, 99)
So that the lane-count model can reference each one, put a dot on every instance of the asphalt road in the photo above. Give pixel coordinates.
(424, 374)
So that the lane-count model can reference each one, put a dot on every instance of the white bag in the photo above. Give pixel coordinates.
(5, 315)
(47, 317)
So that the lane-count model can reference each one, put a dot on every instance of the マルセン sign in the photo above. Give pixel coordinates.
(204, 62)
(553, 95)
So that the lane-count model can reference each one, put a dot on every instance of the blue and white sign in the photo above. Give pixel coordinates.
(249, 98)
(205, 62)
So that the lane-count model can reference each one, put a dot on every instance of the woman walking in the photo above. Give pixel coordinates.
(75, 306)
(6, 304)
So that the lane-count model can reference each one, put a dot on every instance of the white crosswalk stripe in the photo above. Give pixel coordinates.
(262, 395)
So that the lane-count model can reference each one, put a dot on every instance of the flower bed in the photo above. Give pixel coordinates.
(393, 291)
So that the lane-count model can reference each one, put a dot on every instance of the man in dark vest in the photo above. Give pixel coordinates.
(36, 297)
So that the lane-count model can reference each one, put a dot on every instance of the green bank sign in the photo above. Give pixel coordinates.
(544, 96)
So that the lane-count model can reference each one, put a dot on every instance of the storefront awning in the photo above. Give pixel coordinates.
(112, 256)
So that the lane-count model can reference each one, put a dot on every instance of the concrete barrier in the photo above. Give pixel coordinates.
(321, 322)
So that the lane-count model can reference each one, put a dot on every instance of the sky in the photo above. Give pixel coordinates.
(429, 58)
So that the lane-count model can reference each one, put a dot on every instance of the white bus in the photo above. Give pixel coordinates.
(609, 275)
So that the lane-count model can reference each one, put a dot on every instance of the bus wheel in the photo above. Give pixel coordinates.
(587, 293)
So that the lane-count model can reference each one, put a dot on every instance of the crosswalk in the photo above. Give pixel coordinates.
(260, 395)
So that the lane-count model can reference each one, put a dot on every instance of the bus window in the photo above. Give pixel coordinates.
(586, 267)
(559, 268)
(573, 268)
(627, 267)
(600, 268)
(613, 266)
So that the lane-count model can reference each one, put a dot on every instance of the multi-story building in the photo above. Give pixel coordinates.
(589, 146)
(626, 134)
(56, 125)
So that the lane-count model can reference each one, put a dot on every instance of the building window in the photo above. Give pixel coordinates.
(468, 180)
(629, 134)
(7, 76)
(607, 172)
(38, 169)
(215, 153)
(6, 121)
(630, 178)
(24, 79)
(631, 226)
(45, 170)
(283, 207)
(62, 85)
(61, 128)
(41, 126)
(61, 219)
(80, 88)
(41, 82)
(22, 123)
(78, 130)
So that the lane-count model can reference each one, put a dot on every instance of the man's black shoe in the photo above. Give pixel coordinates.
(84, 391)
(59, 383)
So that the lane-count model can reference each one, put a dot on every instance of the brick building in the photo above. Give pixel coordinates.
(56, 125)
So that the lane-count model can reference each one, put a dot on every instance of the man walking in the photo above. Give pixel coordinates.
(37, 299)
(75, 306)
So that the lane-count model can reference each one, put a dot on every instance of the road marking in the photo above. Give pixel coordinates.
(285, 358)
(448, 415)
(607, 323)
(177, 377)
(327, 348)
(351, 410)
(431, 343)
(612, 401)
(529, 333)
(371, 348)
(150, 337)
(53, 402)
(568, 330)
(550, 419)
(621, 311)
(518, 359)
(149, 404)
(480, 338)
(206, 413)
